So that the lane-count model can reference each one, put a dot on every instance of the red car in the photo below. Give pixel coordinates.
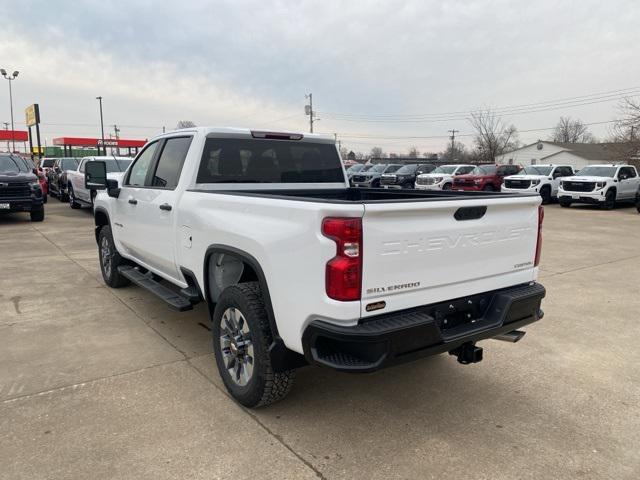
(487, 178)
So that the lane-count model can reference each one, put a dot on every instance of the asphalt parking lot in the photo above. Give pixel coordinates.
(100, 383)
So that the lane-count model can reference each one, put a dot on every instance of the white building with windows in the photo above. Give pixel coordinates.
(578, 155)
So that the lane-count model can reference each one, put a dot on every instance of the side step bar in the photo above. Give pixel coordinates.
(512, 336)
(143, 280)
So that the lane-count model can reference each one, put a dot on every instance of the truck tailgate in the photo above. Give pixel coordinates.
(417, 253)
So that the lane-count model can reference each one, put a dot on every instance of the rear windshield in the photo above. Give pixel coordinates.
(445, 170)
(116, 165)
(10, 164)
(355, 168)
(529, 170)
(68, 163)
(484, 170)
(230, 160)
(407, 169)
(597, 172)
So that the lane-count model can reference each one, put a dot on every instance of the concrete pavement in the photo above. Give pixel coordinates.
(108, 383)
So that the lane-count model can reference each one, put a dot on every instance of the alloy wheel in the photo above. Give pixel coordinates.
(236, 346)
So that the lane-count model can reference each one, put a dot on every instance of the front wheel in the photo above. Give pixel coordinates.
(72, 199)
(545, 193)
(241, 339)
(609, 200)
(446, 186)
(488, 188)
(564, 202)
(110, 259)
(37, 215)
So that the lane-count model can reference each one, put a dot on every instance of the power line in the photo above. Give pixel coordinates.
(537, 106)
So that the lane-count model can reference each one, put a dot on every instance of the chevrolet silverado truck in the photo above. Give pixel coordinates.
(602, 185)
(20, 189)
(484, 178)
(442, 177)
(79, 196)
(298, 268)
(541, 179)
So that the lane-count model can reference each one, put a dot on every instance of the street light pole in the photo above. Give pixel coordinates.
(11, 78)
(101, 127)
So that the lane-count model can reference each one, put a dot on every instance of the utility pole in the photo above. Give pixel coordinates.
(6, 127)
(101, 127)
(633, 133)
(11, 78)
(117, 135)
(308, 109)
(453, 138)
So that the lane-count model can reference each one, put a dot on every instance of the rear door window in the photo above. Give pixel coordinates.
(170, 162)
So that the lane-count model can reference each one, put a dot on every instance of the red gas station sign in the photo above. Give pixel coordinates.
(93, 142)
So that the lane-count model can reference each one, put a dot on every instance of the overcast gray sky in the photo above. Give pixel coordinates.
(376, 68)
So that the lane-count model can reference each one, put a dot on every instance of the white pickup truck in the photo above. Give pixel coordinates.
(298, 268)
(542, 179)
(77, 193)
(602, 185)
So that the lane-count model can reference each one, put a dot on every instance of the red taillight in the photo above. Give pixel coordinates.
(536, 262)
(344, 271)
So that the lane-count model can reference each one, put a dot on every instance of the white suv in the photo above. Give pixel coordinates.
(542, 179)
(602, 185)
(442, 177)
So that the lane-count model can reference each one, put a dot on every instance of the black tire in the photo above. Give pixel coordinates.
(488, 188)
(609, 200)
(37, 215)
(564, 202)
(408, 186)
(545, 193)
(264, 386)
(375, 184)
(72, 199)
(109, 269)
(447, 186)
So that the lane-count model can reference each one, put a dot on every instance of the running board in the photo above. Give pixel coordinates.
(146, 281)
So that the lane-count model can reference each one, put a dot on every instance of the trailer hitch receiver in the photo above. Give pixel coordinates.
(467, 353)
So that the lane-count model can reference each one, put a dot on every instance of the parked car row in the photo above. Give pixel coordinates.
(602, 185)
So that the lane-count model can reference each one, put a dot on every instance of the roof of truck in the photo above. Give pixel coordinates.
(250, 132)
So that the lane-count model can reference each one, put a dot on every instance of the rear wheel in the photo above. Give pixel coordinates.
(37, 215)
(110, 260)
(609, 200)
(241, 339)
(72, 199)
(545, 193)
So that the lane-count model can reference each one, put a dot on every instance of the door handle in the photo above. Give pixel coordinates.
(133, 201)
(165, 206)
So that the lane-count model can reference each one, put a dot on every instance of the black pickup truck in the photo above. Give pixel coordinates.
(19, 188)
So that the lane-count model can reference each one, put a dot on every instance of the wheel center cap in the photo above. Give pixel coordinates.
(234, 348)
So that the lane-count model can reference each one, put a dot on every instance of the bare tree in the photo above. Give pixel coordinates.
(570, 130)
(413, 152)
(626, 131)
(376, 152)
(493, 137)
(185, 124)
(457, 153)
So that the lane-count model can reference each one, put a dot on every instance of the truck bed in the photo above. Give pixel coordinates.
(365, 195)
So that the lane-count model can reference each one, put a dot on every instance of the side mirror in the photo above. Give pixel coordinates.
(95, 175)
(113, 190)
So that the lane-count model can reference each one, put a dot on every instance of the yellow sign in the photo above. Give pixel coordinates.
(32, 114)
(37, 151)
